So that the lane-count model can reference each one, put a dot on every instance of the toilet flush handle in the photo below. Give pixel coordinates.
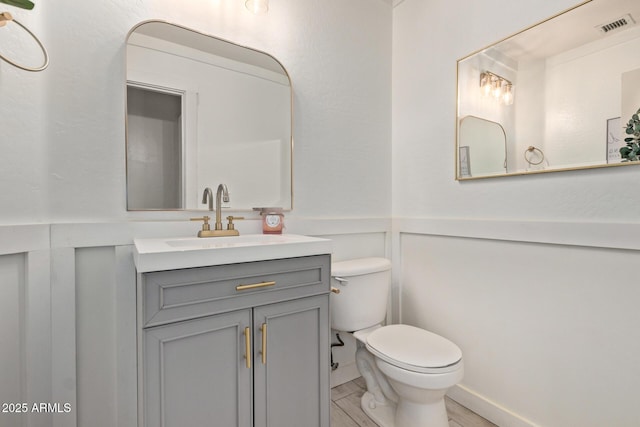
(340, 280)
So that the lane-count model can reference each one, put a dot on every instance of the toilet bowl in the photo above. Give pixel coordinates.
(407, 370)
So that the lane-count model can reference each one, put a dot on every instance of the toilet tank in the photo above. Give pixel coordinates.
(364, 289)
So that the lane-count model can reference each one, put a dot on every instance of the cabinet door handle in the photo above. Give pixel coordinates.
(247, 346)
(254, 286)
(264, 343)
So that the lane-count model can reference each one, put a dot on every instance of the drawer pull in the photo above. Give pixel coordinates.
(247, 346)
(264, 343)
(254, 286)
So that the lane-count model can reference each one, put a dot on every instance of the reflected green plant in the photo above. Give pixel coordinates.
(23, 4)
(631, 152)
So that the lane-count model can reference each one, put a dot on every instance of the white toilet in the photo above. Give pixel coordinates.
(407, 370)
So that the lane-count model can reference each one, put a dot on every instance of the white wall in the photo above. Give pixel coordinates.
(524, 273)
(429, 37)
(63, 150)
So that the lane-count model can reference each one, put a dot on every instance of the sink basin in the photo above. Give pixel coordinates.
(175, 253)
(236, 241)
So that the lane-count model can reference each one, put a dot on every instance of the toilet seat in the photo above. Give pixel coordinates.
(414, 349)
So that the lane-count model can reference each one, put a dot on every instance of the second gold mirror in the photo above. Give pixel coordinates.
(562, 91)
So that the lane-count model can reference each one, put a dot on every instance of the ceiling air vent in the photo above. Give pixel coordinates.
(617, 24)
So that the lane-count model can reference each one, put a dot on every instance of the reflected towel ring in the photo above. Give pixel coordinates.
(533, 149)
(6, 17)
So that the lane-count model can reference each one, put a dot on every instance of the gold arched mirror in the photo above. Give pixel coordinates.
(203, 111)
(485, 142)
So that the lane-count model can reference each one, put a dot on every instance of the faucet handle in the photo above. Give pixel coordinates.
(205, 226)
(230, 218)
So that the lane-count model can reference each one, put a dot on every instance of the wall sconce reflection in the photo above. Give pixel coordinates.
(259, 7)
(497, 86)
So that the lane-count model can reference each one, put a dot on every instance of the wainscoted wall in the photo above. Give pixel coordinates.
(536, 345)
(68, 312)
(545, 314)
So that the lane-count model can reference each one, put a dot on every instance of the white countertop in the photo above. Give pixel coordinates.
(175, 253)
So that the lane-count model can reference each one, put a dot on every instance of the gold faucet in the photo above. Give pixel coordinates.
(207, 196)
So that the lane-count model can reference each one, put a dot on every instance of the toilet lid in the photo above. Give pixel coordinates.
(412, 348)
(356, 267)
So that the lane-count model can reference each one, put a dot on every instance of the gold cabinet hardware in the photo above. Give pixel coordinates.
(254, 286)
(264, 343)
(247, 346)
(335, 290)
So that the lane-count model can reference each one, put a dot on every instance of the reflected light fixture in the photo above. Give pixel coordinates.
(507, 96)
(485, 84)
(498, 86)
(258, 7)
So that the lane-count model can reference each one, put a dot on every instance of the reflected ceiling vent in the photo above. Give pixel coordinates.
(616, 25)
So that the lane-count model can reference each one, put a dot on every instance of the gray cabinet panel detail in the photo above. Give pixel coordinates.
(292, 387)
(196, 373)
(175, 295)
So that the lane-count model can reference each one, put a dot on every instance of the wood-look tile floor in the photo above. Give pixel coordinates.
(346, 411)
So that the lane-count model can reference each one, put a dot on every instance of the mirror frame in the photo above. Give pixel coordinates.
(456, 169)
(126, 84)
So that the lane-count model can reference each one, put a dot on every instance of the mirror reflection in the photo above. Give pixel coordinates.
(486, 144)
(562, 92)
(203, 111)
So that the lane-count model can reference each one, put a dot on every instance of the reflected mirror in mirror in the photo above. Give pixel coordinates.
(203, 111)
(486, 145)
(562, 92)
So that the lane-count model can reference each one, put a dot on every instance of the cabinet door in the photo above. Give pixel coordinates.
(291, 378)
(195, 373)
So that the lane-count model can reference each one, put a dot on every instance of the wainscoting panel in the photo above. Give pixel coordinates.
(12, 331)
(25, 339)
(63, 333)
(37, 339)
(68, 312)
(126, 356)
(96, 337)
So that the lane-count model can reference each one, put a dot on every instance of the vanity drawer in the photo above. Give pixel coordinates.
(170, 296)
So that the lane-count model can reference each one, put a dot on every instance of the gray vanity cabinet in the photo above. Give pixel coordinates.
(237, 345)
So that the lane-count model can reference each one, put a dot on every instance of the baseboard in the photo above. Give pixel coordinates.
(486, 408)
(346, 372)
